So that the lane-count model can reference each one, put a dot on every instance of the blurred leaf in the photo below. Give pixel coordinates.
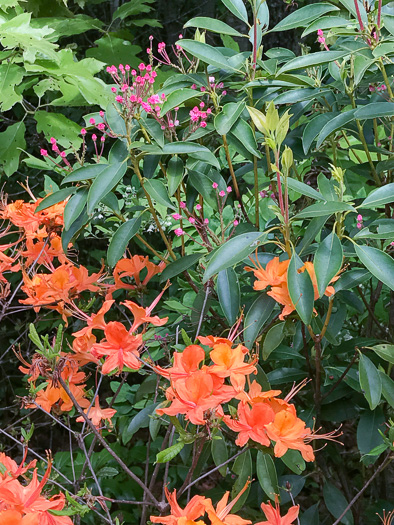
(378, 263)
(141, 420)
(12, 141)
(336, 503)
(370, 381)
(328, 261)
(368, 427)
(256, 316)
(211, 24)
(219, 453)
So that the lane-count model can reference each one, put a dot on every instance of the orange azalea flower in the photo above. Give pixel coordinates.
(142, 315)
(132, 268)
(186, 521)
(120, 347)
(97, 414)
(193, 510)
(230, 363)
(11, 467)
(43, 253)
(221, 515)
(388, 518)
(251, 423)
(95, 321)
(13, 517)
(256, 394)
(196, 394)
(273, 514)
(82, 347)
(185, 363)
(7, 263)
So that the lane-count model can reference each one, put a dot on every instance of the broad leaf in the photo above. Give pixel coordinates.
(229, 294)
(379, 197)
(304, 16)
(370, 381)
(55, 198)
(256, 317)
(378, 263)
(121, 239)
(211, 24)
(238, 9)
(206, 53)
(328, 261)
(300, 289)
(266, 474)
(324, 208)
(177, 98)
(179, 266)
(158, 192)
(228, 117)
(74, 207)
(312, 59)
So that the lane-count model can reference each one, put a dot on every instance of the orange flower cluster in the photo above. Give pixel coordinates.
(198, 506)
(24, 504)
(134, 273)
(275, 276)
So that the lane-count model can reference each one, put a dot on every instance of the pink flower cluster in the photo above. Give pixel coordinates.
(372, 88)
(55, 148)
(359, 221)
(198, 117)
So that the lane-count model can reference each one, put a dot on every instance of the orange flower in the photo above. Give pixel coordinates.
(251, 423)
(132, 269)
(196, 394)
(230, 363)
(185, 363)
(388, 518)
(95, 321)
(193, 510)
(97, 414)
(142, 315)
(273, 514)
(43, 253)
(82, 347)
(256, 394)
(221, 515)
(11, 467)
(120, 347)
(13, 517)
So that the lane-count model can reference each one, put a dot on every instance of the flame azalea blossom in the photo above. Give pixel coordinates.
(275, 276)
(82, 347)
(273, 514)
(256, 394)
(97, 414)
(132, 268)
(196, 394)
(193, 510)
(251, 423)
(13, 517)
(185, 363)
(230, 363)
(142, 315)
(120, 348)
(95, 321)
(221, 515)
(44, 253)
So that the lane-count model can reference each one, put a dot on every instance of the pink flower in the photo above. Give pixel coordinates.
(198, 207)
(359, 217)
(179, 232)
(176, 216)
(101, 126)
(215, 185)
(224, 93)
(222, 193)
(371, 88)
(94, 137)
(320, 32)
(182, 205)
(102, 138)
(229, 189)
(83, 131)
(113, 89)
(92, 121)
(235, 222)
(206, 221)
(102, 112)
(63, 154)
(203, 125)
(263, 194)
(202, 105)
(192, 220)
(119, 99)
(44, 152)
(359, 225)
(52, 140)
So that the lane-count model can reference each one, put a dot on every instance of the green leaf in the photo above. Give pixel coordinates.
(243, 468)
(107, 472)
(328, 261)
(109, 177)
(77, 226)
(380, 196)
(54, 198)
(370, 381)
(312, 59)
(384, 351)
(179, 266)
(74, 207)
(141, 420)
(313, 128)
(177, 98)
(300, 289)
(304, 189)
(266, 474)
(334, 124)
(211, 24)
(387, 388)
(327, 187)
(206, 53)
(88, 172)
(169, 453)
(233, 252)
(378, 263)
(294, 461)
(133, 7)
(66, 132)
(326, 22)
(227, 287)
(228, 116)
(238, 9)
(11, 76)
(121, 239)
(313, 229)
(219, 452)
(244, 133)
(336, 503)
(375, 110)
(368, 427)
(273, 339)
(175, 170)
(351, 279)
(256, 316)
(12, 141)
(112, 50)
(304, 16)
(325, 208)
(158, 192)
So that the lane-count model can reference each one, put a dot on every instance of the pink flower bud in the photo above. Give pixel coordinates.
(102, 138)
(198, 207)
(359, 225)
(63, 154)
(176, 216)
(182, 205)
(206, 221)
(203, 125)
(235, 222)
(192, 220)
(215, 185)
(224, 93)
(222, 193)
(102, 114)
(83, 132)
(52, 140)
(94, 137)
(229, 189)
(359, 217)
(44, 152)
(263, 194)
(113, 89)
(92, 121)
(179, 232)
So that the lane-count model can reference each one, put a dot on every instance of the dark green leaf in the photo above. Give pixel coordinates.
(300, 289)
(370, 381)
(121, 239)
(175, 170)
(351, 279)
(379, 197)
(368, 427)
(229, 294)
(304, 189)
(266, 474)
(273, 339)
(219, 453)
(228, 117)
(177, 98)
(206, 53)
(158, 192)
(387, 388)
(294, 461)
(141, 420)
(211, 24)
(324, 208)
(328, 261)
(336, 503)
(256, 316)
(312, 59)
(55, 198)
(335, 124)
(74, 207)
(378, 263)
(179, 266)
(313, 128)
(304, 16)
(244, 133)
(88, 172)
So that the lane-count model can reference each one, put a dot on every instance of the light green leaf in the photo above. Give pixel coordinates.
(11, 76)
(312, 59)
(66, 132)
(158, 192)
(177, 98)
(211, 24)
(324, 208)
(206, 53)
(121, 239)
(370, 381)
(169, 453)
(384, 351)
(328, 261)
(379, 197)
(175, 171)
(238, 9)
(378, 263)
(12, 141)
(304, 16)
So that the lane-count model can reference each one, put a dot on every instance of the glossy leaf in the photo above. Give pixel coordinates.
(206, 53)
(158, 192)
(121, 239)
(166, 455)
(294, 461)
(300, 289)
(304, 189)
(336, 503)
(384, 351)
(379, 197)
(233, 252)
(378, 263)
(211, 24)
(351, 279)
(266, 474)
(55, 198)
(312, 59)
(227, 287)
(324, 208)
(177, 98)
(228, 116)
(237, 7)
(74, 207)
(335, 124)
(179, 266)
(273, 339)
(328, 261)
(88, 172)
(304, 16)
(175, 170)
(370, 381)
(256, 317)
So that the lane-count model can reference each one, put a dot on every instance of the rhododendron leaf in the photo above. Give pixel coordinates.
(206, 53)
(334, 124)
(228, 117)
(55, 198)
(219, 452)
(227, 287)
(304, 16)
(300, 289)
(370, 381)
(87, 172)
(243, 468)
(368, 427)
(233, 252)
(387, 388)
(166, 455)
(158, 192)
(351, 279)
(296, 483)
(238, 9)
(211, 24)
(314, 227)
(178, 97)
(121, 239)
(74, 207)
(175, 171)
(328, 261)
(273, 339)
(294, 461)
(312, 59)
(180, 265)
(243, 132)
(384, 351)
(304, 189)
(324, 208)
(75, 228)
(379, 197)
(313, 128)
(266, 474)
(336, 503)
(256, 316)
(378, 263)
(141, 420)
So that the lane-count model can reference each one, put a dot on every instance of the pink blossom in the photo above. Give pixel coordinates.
(359, 217)
(92, 121)
(235, 222)
(176, 216)
(182, 205)
(359, 225)
(94, 137)
(263, 194)
(83, 131)
(44, 152)
(178, 232)
(192, 220)
(371, 88)
(229, 189)
(198, 207)
(119, 99)
(206, 221)
(101, 126)
(222, 193)
(215, 185)
(203, 125)
(63, 154)
(52, 140)
(102, 138)
(102, 114)
(113, 89)
(224, 93)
